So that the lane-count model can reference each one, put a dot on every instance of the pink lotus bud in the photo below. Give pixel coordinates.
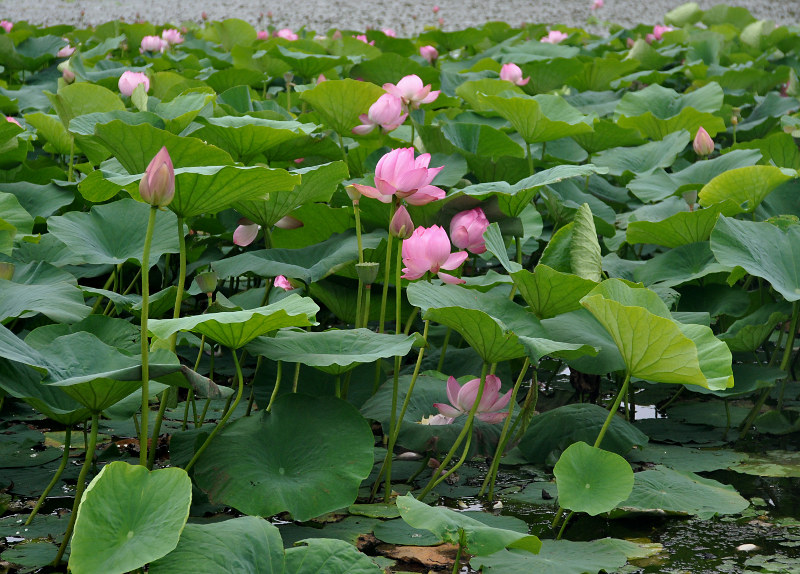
(207, 281)
(172, 36)
(401, 225)
(387, 112)
(288, 222)
(597, 4)
(129, 80)
(286, 34)
(203, 15)
(389, 32)
(269, 14)
(428, 250)
(441, 21)
(703, 144)
(321, 79)
(630, 43)
(659, 31)
(429, 53)
(512, 73)
(283, 283)
(554, 37)
(65, 52)
(68, 75)
(12, 120)
(337, 35)
(435, 9)
(152, 44)
(157, 187)
(262, 35)
(467, 229)
(6, 25)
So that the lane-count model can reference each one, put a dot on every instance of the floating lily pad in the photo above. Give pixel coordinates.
(555, 557)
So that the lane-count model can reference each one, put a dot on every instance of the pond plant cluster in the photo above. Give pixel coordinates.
(274, 301)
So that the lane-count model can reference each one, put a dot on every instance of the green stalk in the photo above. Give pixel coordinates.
(105, 287)
(447, 333)
(56, 476)
(341, 146)
(79, 488)
(467, 430)
(162, 406)
(504, 435)
(367, 304)
(461, 543)
(530, 158)
(386, 272)
(176, 312)
(70, 172)
(277, 386)
(787, 353)
(148, 240)
(393, 421)
(221, 424)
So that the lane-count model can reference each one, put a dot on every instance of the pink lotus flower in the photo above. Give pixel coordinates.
(389, 32)
(153, 44)
(429, 53)
(512, 73)
(286, 34)
(435, 9)
(412, 92)
(363, 38)
(463, 398)
(6, 25)
(429, 250)
(597, 4)
(467, 228)
(387, 112)
(703, 144)
(283, 283)
(659, 30)
(129, 80)
(262, 35)
(12, 121)
(554, 37)
(399, 173)
(247, 231)
(171, 36)
(157, 187)
(321, 79)
(65, 52)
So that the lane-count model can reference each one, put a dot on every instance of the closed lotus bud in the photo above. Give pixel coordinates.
(401, 225)
(158, 184)
(6, 270)
(703, 144)
(207, 281)
(367, 272)
(68, 75)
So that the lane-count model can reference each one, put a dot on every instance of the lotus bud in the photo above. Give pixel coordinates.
(353, 193)
(401, 225)
(158, 184)
(703, 144)
(68, 75)
(283, 283)
(429, 53)
(690, 197)
(6, 270)
(207, 282)
(288, 222)
(367, 272)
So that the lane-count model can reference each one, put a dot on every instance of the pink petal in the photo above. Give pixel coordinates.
(430, 97)
(453, 388)
(501, 403)
(447, 410)
(467, 395)
(410, 181)
(411, 275)
(491, 389)
(455, 260)
(363, 129)
(491, 418)
(450, 279)
(425, 195)
(368, 190)
(245, 234)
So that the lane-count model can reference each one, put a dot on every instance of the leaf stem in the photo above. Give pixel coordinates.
(56, 476)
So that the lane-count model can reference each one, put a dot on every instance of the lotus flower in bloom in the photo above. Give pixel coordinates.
(286, 34)
(129, 80)
(597, 4)
(6, 25)
(399, 173)
(467, 228)
(283, 283)
(363, 38)
(554, 37)
(429, 53)
(512, 73)
(153, 44)
(387, 112)
(262, 35)
(703, 144)
(658, 32)
(429, 250)
(171, 36)
(157, 187)
(247, 231)
(490, 409)
(412, 92)
(65, 52)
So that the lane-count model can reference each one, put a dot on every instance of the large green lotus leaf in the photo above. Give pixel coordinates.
(24, 382)
(679, 229)
(317, 184)
(643, 158)
(550, 292)
(448, 524)
(608, 134)
(134, 146)
(246, 137)
(555, 557)
(553, 431)
(309, 264)
(745, 186)
(234, 329)
(584, 249)
(81, 98)
(60, 301)
(666, 103)
(480, 139)
(327, 556)
(245, 544)
(308, 65)
(14, 214)
(653, 345)
(688, 119)
(750, 332)
(659, 184)
(592, 480)
(665, 490)
(129, 516)
(599, 73)
(285, 460)
(474, 91)
(683, 458)
(779, 463)
(118, 333)
(335, 351)
(179, 112)
(776, 149)
(51, 129)
(40, 200)
(496, 328)
(763, 250)
(507, 193)
(540, 118)
(390, 67)
(340, 102)
(679, 265)
(114, 233)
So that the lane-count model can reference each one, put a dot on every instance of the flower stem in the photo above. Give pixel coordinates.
(277, 386)
(176, 311)
(56, 476)
(144, 428)
(447, 333)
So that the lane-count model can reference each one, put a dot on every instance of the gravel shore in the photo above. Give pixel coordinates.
(405, 16)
